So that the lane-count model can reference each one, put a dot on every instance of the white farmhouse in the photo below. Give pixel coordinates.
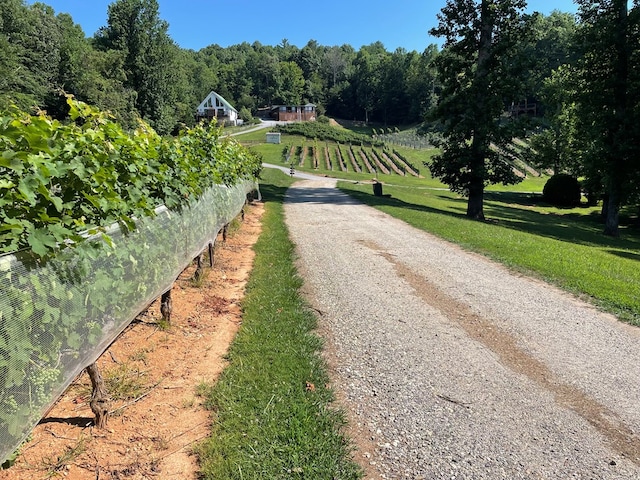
(215, 106)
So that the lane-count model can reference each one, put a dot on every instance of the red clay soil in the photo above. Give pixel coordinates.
(158, 373)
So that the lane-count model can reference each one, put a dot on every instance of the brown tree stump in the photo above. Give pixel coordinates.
(99, 398)
(225, 229)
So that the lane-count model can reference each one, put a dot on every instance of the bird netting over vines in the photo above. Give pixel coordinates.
(87, 246)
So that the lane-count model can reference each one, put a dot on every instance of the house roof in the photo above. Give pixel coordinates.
(220, 99)
(292, 105)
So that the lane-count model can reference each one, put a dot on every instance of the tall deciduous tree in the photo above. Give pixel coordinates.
(135, 28)
(421, 83)
(290, 84)
(478, 73)
(32, 53)
(367, 77)
(552, 47)
(609, 98)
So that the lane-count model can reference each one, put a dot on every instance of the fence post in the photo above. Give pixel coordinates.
(197, 275)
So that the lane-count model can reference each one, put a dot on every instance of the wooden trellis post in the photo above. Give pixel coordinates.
(166, 306)
(211, 254)
(197, 275)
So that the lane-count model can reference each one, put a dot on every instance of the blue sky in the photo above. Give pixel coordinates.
(196, 24)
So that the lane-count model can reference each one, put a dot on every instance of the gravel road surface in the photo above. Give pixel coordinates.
(453, 367)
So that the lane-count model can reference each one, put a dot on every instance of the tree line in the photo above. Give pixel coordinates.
(569, 83)
(132, 67)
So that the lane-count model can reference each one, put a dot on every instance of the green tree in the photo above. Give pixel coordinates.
(552, 46)
(421, 83)
(74, 46)
(338, 70)
(103, 84)
(32, 54)
(608, 99)
(290, 84)
(557, 145)
(266, 77)
(310, 60)
(367, 78)
(135, 28)
(393, 95)
(478, 73)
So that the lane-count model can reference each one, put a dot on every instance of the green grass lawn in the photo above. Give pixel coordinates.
(269, 423)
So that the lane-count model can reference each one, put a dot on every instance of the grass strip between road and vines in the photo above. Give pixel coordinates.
(272, 407)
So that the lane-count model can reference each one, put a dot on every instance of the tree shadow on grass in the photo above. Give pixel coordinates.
(626, 254)
(509, 210)
(572, 227)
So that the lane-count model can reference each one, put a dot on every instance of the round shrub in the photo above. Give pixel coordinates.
(562, 190)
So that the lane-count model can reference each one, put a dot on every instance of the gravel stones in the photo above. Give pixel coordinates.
(455, 367)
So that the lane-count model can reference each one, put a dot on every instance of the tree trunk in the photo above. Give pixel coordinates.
(480, 142)
(99, 398)
(611, 213)
(475, 204)
(620, 134)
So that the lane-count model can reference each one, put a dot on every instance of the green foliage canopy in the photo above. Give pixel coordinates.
(608, 88)
(476, 70)
(59, 181)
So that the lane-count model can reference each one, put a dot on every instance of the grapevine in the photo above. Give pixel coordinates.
(59, 182)
(95, 223)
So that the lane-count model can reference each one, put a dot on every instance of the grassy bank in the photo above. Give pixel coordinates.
(273, 413)
(563, 246)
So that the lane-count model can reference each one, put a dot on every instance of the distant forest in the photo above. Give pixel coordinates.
(561, 90)
(132, 67)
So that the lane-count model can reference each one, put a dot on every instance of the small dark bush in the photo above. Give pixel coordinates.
(562, 190)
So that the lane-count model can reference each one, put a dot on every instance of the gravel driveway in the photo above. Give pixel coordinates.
(454, 367)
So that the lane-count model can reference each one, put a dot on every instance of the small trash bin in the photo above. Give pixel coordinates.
(377, 189)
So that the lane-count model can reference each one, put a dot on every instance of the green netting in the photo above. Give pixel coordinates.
(58, 316)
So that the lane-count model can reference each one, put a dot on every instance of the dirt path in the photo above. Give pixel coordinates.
(453, 367)
(158, 372)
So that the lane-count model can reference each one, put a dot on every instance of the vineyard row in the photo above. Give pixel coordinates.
(349, 158)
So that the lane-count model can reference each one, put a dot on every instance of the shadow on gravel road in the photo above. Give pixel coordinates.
(320, 195)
